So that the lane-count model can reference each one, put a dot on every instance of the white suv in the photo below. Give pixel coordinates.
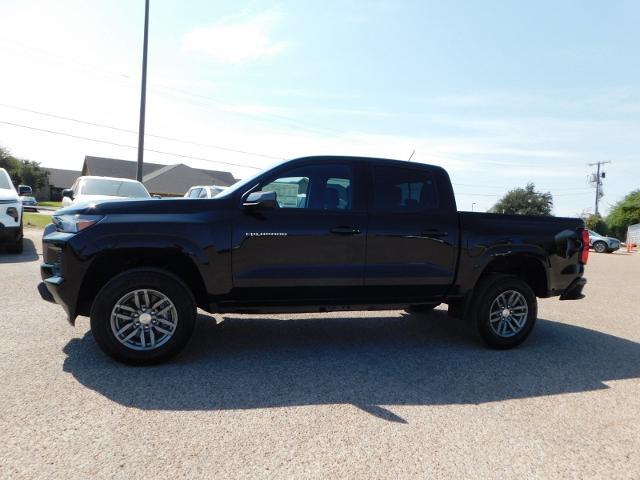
(203, 191)
(10, 214)
(88, 189)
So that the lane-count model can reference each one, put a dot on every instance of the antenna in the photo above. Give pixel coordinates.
(411, 156)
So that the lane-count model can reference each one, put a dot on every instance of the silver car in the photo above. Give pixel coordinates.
(602, 244)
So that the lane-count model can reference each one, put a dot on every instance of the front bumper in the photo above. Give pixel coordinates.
(55, 287)
(10, 234)
(574, 290)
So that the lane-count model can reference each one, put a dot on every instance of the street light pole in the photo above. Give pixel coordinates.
(143, 93)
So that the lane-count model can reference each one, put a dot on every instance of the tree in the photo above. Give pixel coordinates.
(624, 213)
(23, 172)
(596, 223)
(525, 201)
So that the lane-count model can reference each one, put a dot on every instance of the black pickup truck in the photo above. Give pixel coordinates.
(311, 234)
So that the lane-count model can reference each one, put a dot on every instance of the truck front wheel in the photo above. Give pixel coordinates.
(504, 310)
(143, 316)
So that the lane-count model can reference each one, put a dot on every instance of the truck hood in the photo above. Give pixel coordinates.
(142, 206)
(8, 194)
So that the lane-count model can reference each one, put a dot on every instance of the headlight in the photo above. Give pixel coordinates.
(13, 212)
(74, 223)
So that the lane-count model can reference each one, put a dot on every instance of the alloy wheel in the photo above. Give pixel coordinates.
(508, 313)
(144, 319)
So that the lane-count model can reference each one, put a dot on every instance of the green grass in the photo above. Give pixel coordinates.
(38, 220)
(50, 204)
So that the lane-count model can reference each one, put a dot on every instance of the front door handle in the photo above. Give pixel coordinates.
(342, 230)
(433, 233)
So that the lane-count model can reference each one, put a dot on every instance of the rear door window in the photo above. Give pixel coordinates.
(403, 190)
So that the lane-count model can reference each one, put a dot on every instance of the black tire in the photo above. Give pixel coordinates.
(17, 247)
(600, 247)
(486, 292)
(117, 288)
(422, 308)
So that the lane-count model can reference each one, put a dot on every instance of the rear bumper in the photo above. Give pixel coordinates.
(574, 290)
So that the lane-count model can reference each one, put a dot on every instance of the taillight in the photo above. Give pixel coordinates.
(584, 256)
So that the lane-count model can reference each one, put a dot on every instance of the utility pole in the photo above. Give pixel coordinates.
(597, 179)
(143, 93)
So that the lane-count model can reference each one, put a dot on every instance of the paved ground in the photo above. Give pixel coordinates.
(371, 395)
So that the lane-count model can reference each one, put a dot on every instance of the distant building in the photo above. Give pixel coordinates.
(166, 180)
(58, 180)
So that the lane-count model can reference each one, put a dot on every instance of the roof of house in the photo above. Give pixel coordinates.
(62, 178)
(158, 178)
(178, 179)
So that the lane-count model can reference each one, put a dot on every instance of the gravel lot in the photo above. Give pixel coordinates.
(366, 395)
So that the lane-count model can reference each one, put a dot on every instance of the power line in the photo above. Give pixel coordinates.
(265, 116)
(161, 152)
(60, 59)
(126, 130)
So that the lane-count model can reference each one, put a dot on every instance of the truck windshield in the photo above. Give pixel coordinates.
(113, 188)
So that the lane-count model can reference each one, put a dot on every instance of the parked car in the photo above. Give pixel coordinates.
(312, 234)
(10, 214)
(203, 191)
(29, 203)
(602, 244)
(89, 189)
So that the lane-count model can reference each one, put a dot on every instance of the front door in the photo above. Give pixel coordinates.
(312, 245)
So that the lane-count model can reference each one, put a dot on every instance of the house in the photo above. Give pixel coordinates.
(57, 180)
(165, 180)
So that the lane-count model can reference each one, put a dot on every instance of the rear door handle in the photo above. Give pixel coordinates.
(342, 230)
(433, 233)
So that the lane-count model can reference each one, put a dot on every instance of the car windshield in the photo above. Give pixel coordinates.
(113, 188)
(5, 181)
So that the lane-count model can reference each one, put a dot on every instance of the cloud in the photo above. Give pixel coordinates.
(236, 40)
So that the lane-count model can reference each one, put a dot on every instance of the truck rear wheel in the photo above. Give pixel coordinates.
(503, 310)
(143, 316)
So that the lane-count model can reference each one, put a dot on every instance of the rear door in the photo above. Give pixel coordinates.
(316, 238)
(413, 231)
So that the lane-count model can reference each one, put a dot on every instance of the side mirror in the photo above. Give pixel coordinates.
(24, 190)
(261, 200)
(67, 192)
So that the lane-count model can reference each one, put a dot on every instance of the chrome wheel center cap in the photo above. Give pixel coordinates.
(145, 319)
(505, 313)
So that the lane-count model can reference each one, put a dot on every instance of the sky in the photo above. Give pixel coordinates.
(500, 93)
